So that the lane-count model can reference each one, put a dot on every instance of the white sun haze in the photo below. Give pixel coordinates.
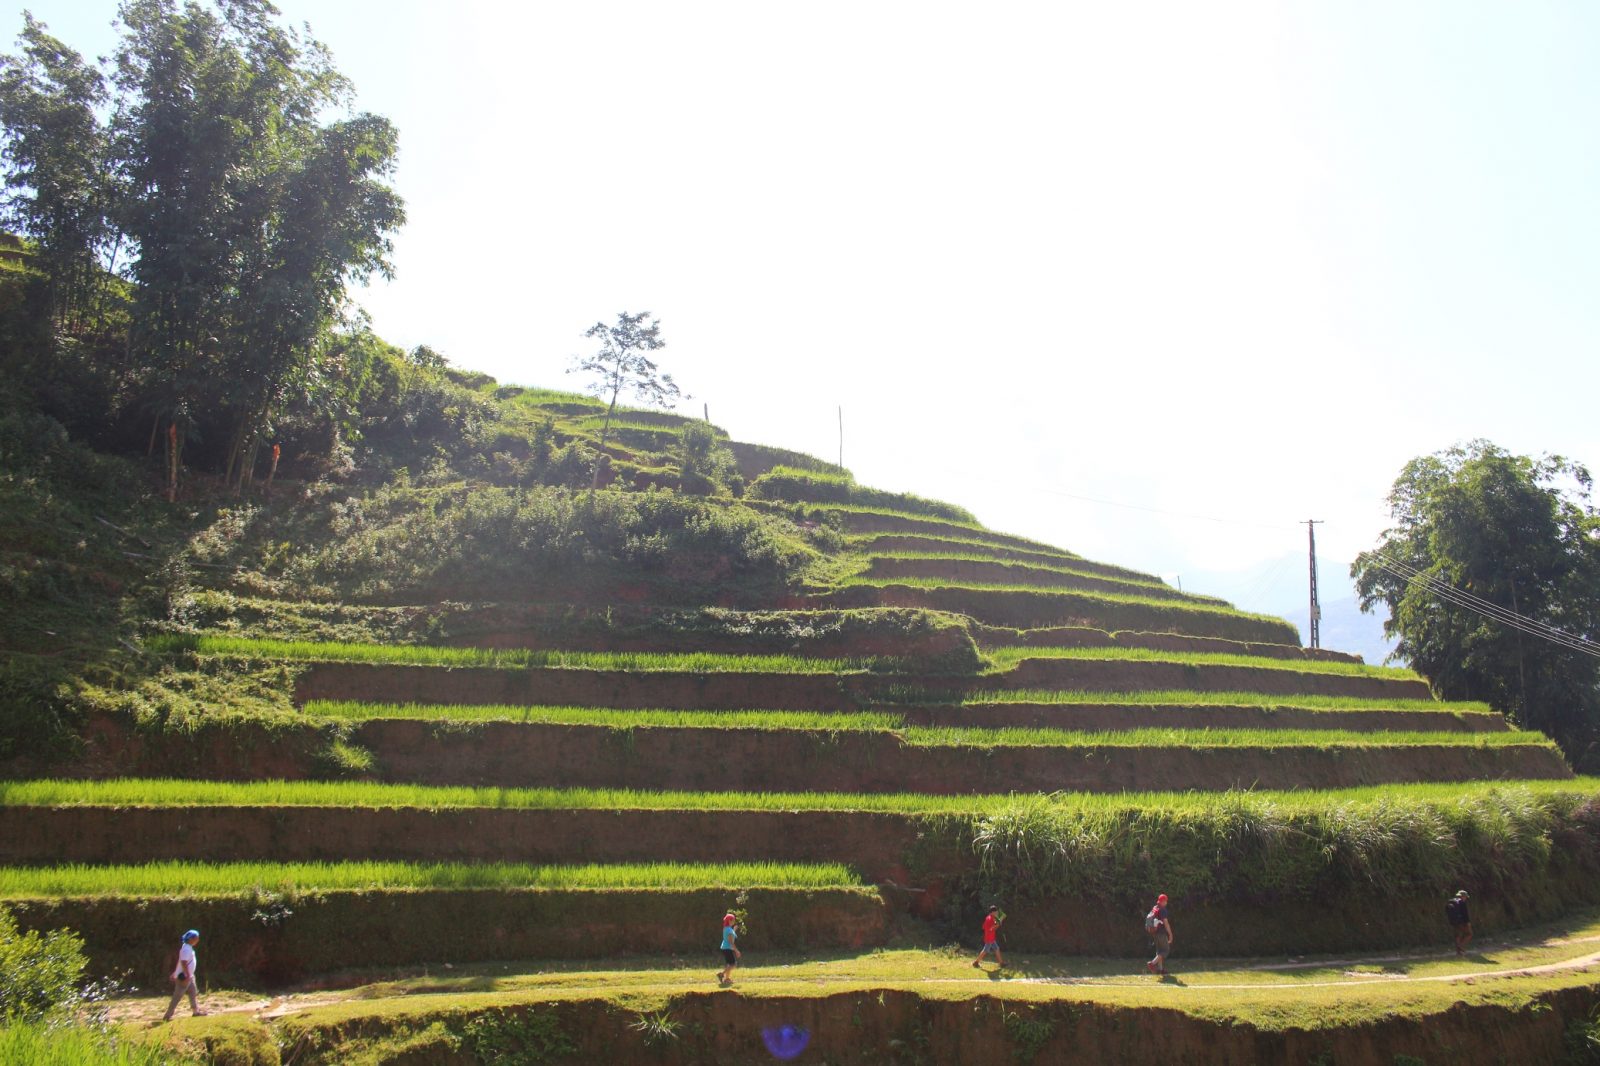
(1240, 261)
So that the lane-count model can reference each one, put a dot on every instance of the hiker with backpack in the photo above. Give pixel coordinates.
(1455, 911)
(1158, 927)
(183, 982)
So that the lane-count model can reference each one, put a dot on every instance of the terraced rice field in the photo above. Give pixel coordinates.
(1116, 738)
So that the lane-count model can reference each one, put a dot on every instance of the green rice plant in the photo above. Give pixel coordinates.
(868, 542)
(185, 793)
(172, 792)
(607, 717)
(41, 1045)
(538, 397)
(245, 878)
(1213, 738)
(1088, 596)
(1007, 657)
(503, 658)
(1191, 698)
(836, 487)
(1064, 569)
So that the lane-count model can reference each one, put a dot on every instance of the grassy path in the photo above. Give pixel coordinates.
(1524, 962)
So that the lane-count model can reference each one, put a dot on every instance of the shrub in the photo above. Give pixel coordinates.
(401, 539)
(39, 975)
(38, 721)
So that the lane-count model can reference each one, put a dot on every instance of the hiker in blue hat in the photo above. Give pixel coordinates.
(183, 982)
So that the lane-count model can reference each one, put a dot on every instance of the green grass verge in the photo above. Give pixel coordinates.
(235, 878)
(1188, 698)
(1214, 738)
(608, 717)
(1007, 657)
(1057, 993)
(68, 1045)
(503, 658)
(182, 793)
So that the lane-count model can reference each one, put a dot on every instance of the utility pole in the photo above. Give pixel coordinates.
(841, 436)
(1316, 608)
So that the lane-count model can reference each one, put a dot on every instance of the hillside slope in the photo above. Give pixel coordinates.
(484, 712)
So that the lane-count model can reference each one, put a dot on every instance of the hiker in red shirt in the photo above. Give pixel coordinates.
(991, 937)
(1159, 928)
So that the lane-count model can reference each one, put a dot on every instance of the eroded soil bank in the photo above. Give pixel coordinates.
(523, 755)
(926, 866)
(900, 1027)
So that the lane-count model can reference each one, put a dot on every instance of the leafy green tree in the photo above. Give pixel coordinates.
(703, 459)
(55, 155)
(248, 211)
(1479, 531)
(623, 365)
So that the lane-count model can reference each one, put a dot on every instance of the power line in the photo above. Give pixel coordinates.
(1492, 611)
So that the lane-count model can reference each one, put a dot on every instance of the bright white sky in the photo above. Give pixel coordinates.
(1231, 260)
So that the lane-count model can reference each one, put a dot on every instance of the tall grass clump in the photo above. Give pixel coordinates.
(43, 1045)
(1267, 847)
(235, 878)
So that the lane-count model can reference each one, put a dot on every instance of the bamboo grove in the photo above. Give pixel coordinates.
(185, 223)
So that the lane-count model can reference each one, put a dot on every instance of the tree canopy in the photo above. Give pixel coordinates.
(221, 155)
(1491, 577)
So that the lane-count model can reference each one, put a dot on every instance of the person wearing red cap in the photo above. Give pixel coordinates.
(730, 948)
(1159, 928)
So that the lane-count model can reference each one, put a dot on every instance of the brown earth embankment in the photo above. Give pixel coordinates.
(252, 939)
(536, 686)
(859, 522)
(683, 690)
(892, 543)
(982, 1030)
(1111, 717)
(788, 760)
(506, 754)
(1030, 609)
(875, 844)
(1135, 675)
(1081, 637)
(873, 633)
(973, 571)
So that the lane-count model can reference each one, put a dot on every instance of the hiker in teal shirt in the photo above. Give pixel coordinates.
(730, 949)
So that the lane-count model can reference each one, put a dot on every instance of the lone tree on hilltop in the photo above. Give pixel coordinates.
(623, 364)
(1491, 575)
